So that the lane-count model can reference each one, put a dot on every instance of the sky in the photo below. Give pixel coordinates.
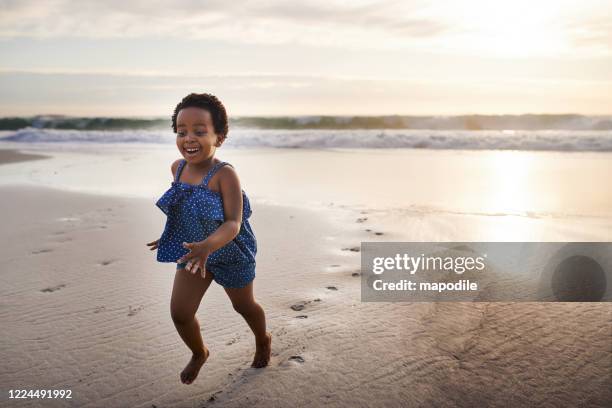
(328, 57)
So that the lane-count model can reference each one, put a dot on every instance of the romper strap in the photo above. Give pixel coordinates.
(212, 172)
(180, 169)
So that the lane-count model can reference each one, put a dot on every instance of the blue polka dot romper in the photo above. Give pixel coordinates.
(195, 212)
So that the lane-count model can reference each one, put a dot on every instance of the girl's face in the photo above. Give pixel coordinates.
(195, 134)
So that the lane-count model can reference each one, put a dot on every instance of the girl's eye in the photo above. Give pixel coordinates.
(183, 134)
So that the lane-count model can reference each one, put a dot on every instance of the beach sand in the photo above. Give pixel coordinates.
(85, 306)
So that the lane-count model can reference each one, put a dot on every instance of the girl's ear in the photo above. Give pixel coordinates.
(219, 142)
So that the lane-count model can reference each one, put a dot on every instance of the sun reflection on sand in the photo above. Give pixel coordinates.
(512, 193)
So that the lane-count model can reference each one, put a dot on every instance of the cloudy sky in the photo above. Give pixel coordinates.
(138, 58)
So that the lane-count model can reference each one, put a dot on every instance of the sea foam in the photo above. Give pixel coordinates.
(539, 140)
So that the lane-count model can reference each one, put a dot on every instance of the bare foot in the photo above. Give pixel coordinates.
(191, 370)
(262, 352)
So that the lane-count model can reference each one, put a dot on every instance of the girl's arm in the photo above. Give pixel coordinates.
(155, 244)
(229, 184)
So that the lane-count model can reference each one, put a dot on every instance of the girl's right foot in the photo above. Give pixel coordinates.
(191, 370)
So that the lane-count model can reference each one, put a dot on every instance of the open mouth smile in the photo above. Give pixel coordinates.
(192, 151)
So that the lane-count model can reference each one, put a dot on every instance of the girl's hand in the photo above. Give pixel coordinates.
(197, 256)
(153, 245)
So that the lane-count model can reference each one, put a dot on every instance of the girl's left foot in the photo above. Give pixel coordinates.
(262, 352)
(193, 367)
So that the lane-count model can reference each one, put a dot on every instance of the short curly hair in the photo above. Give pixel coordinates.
(210, 103)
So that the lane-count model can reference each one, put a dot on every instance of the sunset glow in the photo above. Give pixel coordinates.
(316, 57)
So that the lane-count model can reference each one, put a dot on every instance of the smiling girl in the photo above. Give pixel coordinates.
(207, 230)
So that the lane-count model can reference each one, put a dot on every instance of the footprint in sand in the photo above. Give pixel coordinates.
(362, 219)
(379, 233)
(106, 262)
(134, 310)
(302, 304)
(213, 397)
(355, 274)
(301, 317)
(299, 306)
(53, 288)
(331, 288)
(98, 309)
(42, 251)
(59, 236)
(352, 249)
(297, 359)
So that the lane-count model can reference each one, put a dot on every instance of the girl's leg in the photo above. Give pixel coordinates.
(187, 293)
(244, 303)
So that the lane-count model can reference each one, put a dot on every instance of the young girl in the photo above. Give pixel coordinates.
(207, 230)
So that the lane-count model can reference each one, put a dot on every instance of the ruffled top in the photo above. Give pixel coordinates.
(194, 212)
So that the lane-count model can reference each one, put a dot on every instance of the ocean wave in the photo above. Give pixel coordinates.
(463, 122)
(323, 139)
(35, 135)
